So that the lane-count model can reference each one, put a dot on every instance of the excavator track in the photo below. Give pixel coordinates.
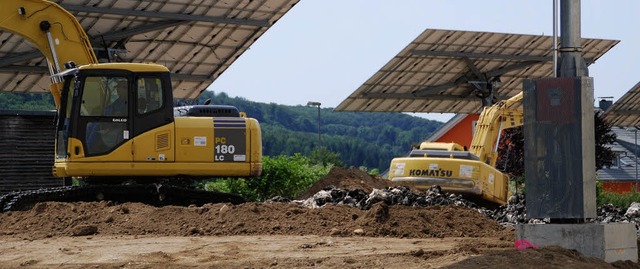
(152, 194)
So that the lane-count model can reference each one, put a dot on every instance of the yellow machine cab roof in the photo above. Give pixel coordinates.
(133, 67)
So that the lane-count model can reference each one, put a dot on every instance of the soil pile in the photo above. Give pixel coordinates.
(461, 231)
(52, 219)
(351, 179)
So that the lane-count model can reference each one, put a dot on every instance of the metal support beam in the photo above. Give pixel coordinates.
(509, 68)
(118, 35)
(194, 78)
(96, 40)
(164, 15)
(44, 71)
(470, 76)
(433, 90)
(624, 112)
(19, 58)
(25, 69)
(425, 96)
(473, 68)
(430, 90)
(481, 55)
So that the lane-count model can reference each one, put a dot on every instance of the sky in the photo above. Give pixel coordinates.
(323, 50)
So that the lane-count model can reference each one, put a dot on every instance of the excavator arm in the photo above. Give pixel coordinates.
(53, 31)
(493, 119)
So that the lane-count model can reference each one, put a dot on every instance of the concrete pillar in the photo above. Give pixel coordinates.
(610, 242)
(559, 148)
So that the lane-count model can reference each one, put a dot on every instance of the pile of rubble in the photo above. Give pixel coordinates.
(513, 212)
(390, 196)
(609, 213)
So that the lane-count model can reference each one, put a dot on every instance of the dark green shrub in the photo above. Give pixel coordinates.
(285, 176)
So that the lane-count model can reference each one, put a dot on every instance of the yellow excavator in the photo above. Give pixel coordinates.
(456, 170)
(116, 121)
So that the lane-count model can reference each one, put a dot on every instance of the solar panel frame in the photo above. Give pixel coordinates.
(625, 112)
(436, 72)
(196, 39)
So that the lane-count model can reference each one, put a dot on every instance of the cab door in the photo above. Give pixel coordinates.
(104, 115)
(153, 134)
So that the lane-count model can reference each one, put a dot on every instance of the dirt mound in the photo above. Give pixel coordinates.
(326, 237)
(546, 257)
(53, 219)
(351, 179)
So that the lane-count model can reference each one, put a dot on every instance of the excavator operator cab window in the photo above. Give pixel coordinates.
(104, 112)
(104, 97)
(117, 99)
(149, 94)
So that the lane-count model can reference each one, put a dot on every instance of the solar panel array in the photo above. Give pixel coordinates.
(196, 39)
(444, 71)
(625, 112)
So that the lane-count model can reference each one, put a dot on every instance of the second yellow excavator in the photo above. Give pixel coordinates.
(456, 170)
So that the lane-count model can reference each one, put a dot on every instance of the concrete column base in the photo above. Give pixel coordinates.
(608, 241)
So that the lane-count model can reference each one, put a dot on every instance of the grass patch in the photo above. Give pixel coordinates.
(617, 199)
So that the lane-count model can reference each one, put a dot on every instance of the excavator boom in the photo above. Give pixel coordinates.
(52, 30)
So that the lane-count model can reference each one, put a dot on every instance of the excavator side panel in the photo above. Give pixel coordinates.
(231, 145)
(465, 176)
(187, 147)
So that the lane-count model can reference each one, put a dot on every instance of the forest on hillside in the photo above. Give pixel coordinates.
(359, 139)
(369, 139)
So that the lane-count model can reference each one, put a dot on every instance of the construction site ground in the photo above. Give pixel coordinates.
(269, 235)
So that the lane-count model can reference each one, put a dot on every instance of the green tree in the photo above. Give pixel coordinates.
(604, 137)
(324, 156)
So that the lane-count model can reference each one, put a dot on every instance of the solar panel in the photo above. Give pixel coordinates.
(445, 71)
(196, 40)
(626, 111)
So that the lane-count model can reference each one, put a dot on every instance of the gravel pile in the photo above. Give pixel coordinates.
(390, 196)
(514, 212)
(609, 213)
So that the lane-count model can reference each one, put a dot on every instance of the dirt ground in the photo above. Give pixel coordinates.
(269, 235)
